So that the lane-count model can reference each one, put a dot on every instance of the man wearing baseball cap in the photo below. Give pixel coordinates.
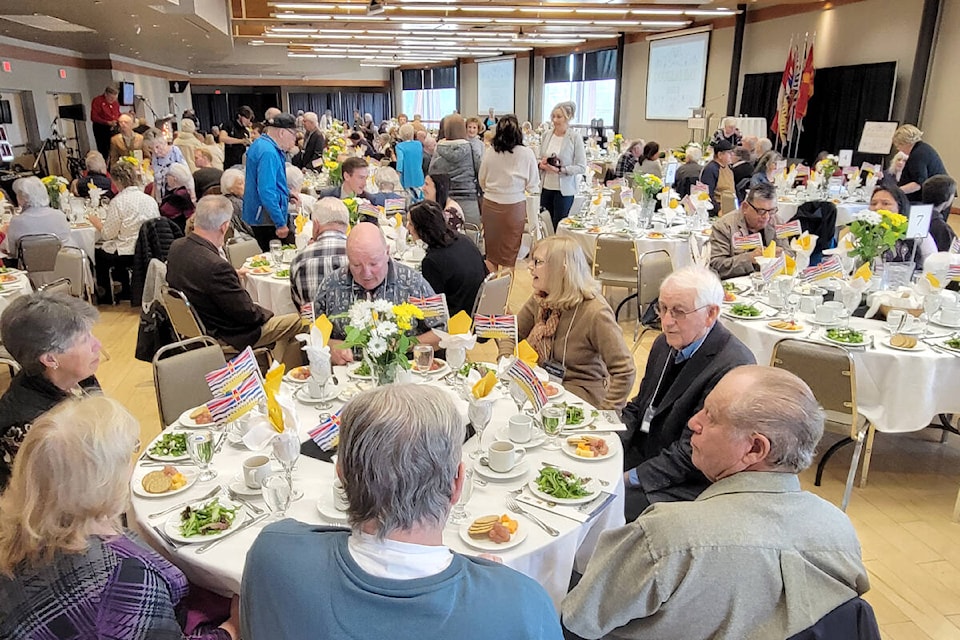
(717, 175)
(265, 197)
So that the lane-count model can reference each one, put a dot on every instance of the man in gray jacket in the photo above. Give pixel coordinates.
(738, 238)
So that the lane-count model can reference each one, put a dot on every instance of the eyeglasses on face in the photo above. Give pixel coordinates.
(677, 314)
(762, 212)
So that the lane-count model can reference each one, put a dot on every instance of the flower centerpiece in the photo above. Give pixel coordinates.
(876, 232)
(617, 142)
(828, 166)
(55, 185)
(336, 147)
(380, 329)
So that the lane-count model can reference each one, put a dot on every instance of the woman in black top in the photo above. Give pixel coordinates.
(453, 264)
(923, 161)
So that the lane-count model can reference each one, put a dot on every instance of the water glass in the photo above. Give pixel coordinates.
(480, 412)
(456, 356)
(423, 358)
(460, 515)
(276, 252)
(321, 374)
(518, 395)
(286, 449)
(200, 448)
(931, 304)
(758, 283)
(552, 417)
(895, 317)
(278, 494)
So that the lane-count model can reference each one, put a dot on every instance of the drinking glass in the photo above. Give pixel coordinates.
(200, 448)
(322, 374)
(286, 449)
(480, 413)
(931, 304)
(423, 358)
(456, 356)
(553, 417)
(276, 252)
(278, 494)
(757, 281)
(895, 317)
(791, 305)
(460, 515)
(518, 395)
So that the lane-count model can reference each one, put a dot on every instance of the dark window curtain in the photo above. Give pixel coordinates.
(343, 104)
(844, 98)
(259, 102)
(445, 78)
(411, 79)
(212, 110)
(376, 104)
(600, 65)
(556, 69)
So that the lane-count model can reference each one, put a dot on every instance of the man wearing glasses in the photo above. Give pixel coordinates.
(738, 238)
(685, 363)
(266, 197)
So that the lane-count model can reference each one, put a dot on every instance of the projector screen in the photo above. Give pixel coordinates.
(495, 86)
(676, 76)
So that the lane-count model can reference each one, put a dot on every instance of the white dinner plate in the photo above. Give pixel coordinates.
(442, 367)
(558, 392)
(288, 376)
(537, 437)
(948, 347)
(486, 544)
(587, 420)
(162, 458)
(799, 327)
(240, 487)
(593, 487)
(330, 513)
(352, 372)
(490, 474)
(764, 315)
(918, 347)
(302, 394)
(277, 275)
(865, 342)
(261, 271)
(136, 483)
(172, 525)
(186, 421)
(571, 450)
(935, 319)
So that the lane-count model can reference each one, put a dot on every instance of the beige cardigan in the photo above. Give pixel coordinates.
(599, 367)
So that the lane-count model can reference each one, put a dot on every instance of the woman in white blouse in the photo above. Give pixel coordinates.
(562, 159)
(507, 172)
(120, 228)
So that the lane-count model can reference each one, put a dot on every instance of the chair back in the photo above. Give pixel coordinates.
(546, 224)
(73, 265)
(827, 369)
(184, 319)
(178, 375)
(493, 295)
(213, 190)
(654, 267)
(61, 285)
(37, 255)
(819, 217)
(615, 261)
(473, 232)
(239, 250)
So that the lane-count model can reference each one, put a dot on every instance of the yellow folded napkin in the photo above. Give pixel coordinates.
(325, 327)
(703, 196)
(673, 203)
(791, 265)
(484, 386)
(863, 273)
(771, 250)
(805, 241)
(398, 220)
(300, 221)
(271, 385)
(460, 323)
(932, 279)
(527, 353)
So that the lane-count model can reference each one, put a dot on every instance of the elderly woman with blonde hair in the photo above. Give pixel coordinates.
(68, 569)
(562, 158)
(570, 325)
(728, 131)
(410, 159)
(923, 161)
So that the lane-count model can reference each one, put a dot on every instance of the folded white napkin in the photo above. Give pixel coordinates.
(452, 341)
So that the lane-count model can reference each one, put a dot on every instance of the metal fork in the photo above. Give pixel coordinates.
(236, 497)
(512, 505)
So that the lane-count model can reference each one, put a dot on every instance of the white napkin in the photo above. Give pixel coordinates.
(870, 183)
(902, 298)
(400, 241)
(453, 341)
(95, 194)
(261, 433)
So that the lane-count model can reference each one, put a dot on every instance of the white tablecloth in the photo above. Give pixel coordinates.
(678, 248)
(786, 209)
(547, 560)
(753, 127)
(270, 293)
(85, 237)
(12, 290)
(897, 391)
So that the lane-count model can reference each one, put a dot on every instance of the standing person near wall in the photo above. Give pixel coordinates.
(562, 159)
(104, 112)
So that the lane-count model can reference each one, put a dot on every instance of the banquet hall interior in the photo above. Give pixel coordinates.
(879, 64)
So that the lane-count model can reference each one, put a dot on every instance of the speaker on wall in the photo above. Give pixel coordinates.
(72, 112)
(6, 114)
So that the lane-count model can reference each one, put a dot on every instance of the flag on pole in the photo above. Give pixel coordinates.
(239, 400)
(955, 245)
(228, 377)
(521, 373)
(748, 242)
(781, 119)
(805, 90)
(327, 433)
(771, 269)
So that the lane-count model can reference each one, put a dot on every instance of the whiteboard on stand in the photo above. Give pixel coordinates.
(877, 137)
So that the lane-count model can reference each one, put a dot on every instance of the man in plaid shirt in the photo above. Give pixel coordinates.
(326, 254)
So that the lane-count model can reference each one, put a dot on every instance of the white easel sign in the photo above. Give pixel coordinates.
(877, 137)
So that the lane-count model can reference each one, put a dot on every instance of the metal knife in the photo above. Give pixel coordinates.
(183, 504)
(249, 523)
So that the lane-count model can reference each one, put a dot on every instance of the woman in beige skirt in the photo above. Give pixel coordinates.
(508, 171)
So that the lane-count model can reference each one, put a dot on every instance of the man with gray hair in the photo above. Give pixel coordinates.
(757, 219)
(266, 197)
(686, 361)
(689, 172)
(313, 144)
(753, 557)
(326, 252)
(390, 575)
(197, 266)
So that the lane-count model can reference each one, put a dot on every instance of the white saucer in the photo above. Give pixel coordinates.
(490, 474)
(935, 319)
(537, 438)
(486, 544)
(329, 512)
(240, 487)
(302, 395)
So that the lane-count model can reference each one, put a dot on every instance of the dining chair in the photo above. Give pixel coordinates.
(546, 224)
(615, 263)
(73, 265)
(830, 373)
(186, 323)
(239, 250)
(178, 375)
(653, 269)
(37, 255)
(493, 295)
(473, 232)
(60, 285)
(728, 203)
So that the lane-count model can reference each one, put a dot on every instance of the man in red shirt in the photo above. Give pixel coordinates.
(104, 112)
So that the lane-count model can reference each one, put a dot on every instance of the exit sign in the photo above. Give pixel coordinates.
(7, 67)
(63, 74)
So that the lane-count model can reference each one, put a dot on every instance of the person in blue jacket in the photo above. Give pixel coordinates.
(266, 197)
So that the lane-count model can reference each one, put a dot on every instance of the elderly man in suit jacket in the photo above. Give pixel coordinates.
(685, 363)
(197, 266)
(313, 144)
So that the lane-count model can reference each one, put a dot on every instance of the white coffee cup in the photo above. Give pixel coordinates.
(502, 456)
(829, 311)
(520, 428)
(950, 315)
(659, 226)
(340, 502)
(255, 469)
(810, 302)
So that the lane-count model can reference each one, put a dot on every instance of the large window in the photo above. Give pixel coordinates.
(432, 93)
(589, 80)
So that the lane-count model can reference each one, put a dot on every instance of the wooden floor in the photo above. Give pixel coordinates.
(903, 517)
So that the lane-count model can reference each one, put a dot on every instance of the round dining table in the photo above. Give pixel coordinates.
(13, 284)
(897, 390)
(549, 560)
(677, 245)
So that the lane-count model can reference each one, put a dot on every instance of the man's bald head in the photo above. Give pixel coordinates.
(367, 255)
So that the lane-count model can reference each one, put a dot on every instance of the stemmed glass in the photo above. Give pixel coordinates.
(286, 449)
(851, 300)
(423, 359)
(552, 417)
(790, 306)
(200, 448)
(480, 412)
(278, 494)
(456, 356)
(321, 376)
(931, 304)
(276, 252)
(518, 395)
(459, 514)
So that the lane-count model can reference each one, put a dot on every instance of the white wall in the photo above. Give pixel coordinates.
(939, 118)
(156, 91)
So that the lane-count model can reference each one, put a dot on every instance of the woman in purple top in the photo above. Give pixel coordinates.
(67, 568)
